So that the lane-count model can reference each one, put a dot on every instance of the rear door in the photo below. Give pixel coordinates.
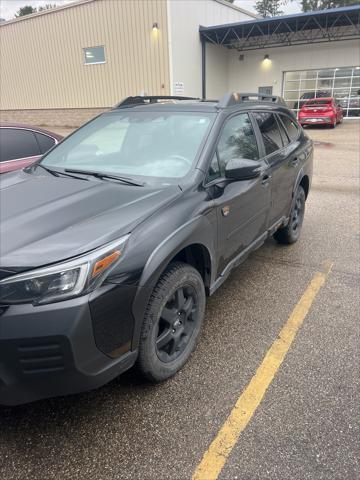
(242, 206)
(283, 158)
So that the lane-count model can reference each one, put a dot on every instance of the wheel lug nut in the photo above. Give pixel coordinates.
(173, 330)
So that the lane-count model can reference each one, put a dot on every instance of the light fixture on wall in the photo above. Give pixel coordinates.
(155, 26)
(266, 57)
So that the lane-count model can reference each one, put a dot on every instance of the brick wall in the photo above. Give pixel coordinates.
(59, 117)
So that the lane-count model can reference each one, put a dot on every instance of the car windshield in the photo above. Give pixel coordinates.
(150, 146)
(319, 102)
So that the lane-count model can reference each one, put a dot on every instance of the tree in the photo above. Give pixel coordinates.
(26, 10)
(269, 8)
(48, 6)
(312, 5)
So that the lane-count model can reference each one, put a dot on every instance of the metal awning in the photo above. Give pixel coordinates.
(304, 28)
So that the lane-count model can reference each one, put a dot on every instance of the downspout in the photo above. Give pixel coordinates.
(203, 68)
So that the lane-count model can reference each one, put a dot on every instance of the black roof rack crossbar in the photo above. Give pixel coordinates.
(146, 100)
(235, 98)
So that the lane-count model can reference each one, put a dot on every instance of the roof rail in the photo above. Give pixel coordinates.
(234, 98)
(146, 100)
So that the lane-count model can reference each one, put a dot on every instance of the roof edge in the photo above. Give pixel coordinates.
(239, 9)
(45, 12)
(315, 13)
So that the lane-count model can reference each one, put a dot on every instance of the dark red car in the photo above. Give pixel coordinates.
(21, 145)
(321, 111)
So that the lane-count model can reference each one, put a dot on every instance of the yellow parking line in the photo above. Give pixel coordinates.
(215, 457)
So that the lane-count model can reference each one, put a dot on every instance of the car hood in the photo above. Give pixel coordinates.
(46, 219)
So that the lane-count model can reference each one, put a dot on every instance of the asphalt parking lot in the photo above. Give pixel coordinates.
(306, 426)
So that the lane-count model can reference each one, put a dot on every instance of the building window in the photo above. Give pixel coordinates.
(94, 55)
(341, 83)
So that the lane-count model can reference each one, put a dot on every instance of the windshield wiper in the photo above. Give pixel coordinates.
(100, 175)
(56, 173)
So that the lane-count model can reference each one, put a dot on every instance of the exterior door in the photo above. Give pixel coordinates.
(281, 162)
(242, 206)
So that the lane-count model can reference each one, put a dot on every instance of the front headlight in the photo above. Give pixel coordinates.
(64, 280)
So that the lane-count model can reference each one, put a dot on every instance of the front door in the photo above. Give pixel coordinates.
(242, 206)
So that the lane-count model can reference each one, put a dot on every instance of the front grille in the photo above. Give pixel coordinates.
(41, 358)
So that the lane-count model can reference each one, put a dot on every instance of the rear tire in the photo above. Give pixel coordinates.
(172, 322)
(291, 233)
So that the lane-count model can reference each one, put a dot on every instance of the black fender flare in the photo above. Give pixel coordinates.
(196, 231)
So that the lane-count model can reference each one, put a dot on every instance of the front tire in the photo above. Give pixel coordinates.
(291, 233)
(172, 322)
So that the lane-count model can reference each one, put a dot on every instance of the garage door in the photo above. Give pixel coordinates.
(340, 83)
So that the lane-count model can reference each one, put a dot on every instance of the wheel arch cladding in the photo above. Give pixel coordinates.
(194, 238)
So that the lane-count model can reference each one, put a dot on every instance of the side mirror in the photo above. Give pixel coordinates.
(242, 169)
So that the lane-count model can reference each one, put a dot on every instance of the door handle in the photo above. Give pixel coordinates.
(294, 162)
(265, 179)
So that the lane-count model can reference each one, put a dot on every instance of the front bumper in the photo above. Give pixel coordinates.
(51, 350)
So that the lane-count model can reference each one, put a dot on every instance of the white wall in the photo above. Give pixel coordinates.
(184, 18)
(253, 72)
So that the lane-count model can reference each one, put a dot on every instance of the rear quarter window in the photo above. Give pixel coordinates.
(17, 143)
(290, 126)
(45, 142)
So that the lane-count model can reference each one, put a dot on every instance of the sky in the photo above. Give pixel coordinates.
(8, 8)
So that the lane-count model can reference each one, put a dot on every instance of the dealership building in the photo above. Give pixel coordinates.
(62, 66)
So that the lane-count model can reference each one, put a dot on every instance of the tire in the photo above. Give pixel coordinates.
(291, 233)
(172, 322)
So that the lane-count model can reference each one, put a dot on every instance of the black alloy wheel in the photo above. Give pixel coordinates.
(177, 323)
(291, 233)
(298, 211)
(172, 322)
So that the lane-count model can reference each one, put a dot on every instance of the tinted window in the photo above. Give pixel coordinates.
(319, 102)
(290, 126)
(16, 143)
(269, 131)
(45, 142)
(214, 169)
(237, 140)
(283, 133)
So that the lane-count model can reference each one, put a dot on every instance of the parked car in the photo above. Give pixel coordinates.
(110, 243)
(21, 145)
(308, 95)
(321, 111)
(353, 103)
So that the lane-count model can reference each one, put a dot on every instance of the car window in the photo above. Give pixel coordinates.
(153, 145)
(214, 169)
(291, 127)
(284, 136)
(45, 142)
(17, 143)
(237, 140)
(269, 131)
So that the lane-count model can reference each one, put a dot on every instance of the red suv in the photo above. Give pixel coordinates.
(321, 111)
(21, 145)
